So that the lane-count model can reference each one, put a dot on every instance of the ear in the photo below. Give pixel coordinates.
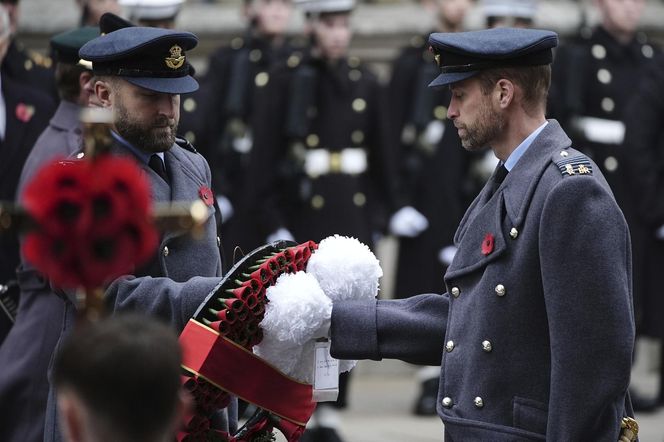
(103, 93)
(504, 92)
(70, 416)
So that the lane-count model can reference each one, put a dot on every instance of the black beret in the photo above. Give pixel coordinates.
(462, 55)
(65, 46)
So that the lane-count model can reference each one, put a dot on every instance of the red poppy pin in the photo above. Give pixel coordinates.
(487, 244)
(206, 195)
(24, 112)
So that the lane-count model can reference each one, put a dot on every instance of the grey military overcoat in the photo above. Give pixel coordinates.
(536, 330)
(183, 272)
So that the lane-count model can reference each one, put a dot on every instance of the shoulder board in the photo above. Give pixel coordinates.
(572, 162)
(185, 144)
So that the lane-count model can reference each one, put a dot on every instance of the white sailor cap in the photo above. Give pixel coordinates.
(510, 8)
(325, 6)
(152, 9)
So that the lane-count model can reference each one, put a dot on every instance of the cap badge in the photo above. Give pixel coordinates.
(436, 55)
(176, 60)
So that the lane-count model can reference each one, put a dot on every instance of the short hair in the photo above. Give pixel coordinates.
(126, 371)
(67, 81)
(533, 80)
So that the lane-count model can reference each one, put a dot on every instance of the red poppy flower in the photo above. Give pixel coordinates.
(487, 244)
(206, 195)
(94, 221)
(24, 112)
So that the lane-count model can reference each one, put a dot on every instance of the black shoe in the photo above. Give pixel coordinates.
(426, 402)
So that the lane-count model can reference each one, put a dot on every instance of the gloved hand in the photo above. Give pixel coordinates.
(446, 255)
(408, 222)
(225, 207)
(659, 233)
(281, 233)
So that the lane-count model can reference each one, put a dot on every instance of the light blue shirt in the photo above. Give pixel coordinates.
(516, 155)
(140, 154)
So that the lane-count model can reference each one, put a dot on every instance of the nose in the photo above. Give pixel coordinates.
(452, 110)
(168, 105)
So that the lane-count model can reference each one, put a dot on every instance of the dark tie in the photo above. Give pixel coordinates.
(157, 165)
(499, 177)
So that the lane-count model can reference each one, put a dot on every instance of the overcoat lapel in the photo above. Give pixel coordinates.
(497, 214)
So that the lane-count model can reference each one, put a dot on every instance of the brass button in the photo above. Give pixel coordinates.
(514, 233)
(166, 251)
(598, 51)
(255, 55)
(500, 290)
(611, 164)
(564, 153)
(355, 75)
(27, 65)
(317, 202)
(357, 137)
(440, 112)
(190, 136)
(455, 292)
(449, 346)
(353, 62)
(359, 105)
(218, 241)
(80, 155)
(604, 76)
(608, 105)
(647, 51)
(293, 61)
(447, 402)
(479, 403)
(359, 199)
(189, 105)
(237, 43)
(262, 79)
(312, 140)
(486, 346)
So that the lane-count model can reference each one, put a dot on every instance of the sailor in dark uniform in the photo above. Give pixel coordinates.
(321, 160)
(24, 113)
(23, 65)
(26, 352)
(593, 80)
(435, 175)
(644, 150)
(220, 117)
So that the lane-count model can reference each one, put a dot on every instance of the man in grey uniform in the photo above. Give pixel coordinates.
(140, 73)
(535, 332)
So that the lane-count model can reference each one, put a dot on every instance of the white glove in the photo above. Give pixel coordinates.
(659, 233)
(225, 207)
(407, 221)
(446, 255)
(280, 233)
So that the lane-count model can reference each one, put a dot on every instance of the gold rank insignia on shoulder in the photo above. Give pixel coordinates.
(574, 165)
(176, 60)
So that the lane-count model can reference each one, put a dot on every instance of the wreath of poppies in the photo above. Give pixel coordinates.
(93, 221)
(235, 309)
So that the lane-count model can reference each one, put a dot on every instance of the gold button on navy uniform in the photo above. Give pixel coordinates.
(455, 292)
(449, 346)
(447, 402)
(486, 346)
(479, 403)
(514, 233)
(500, 290)
(166, 251)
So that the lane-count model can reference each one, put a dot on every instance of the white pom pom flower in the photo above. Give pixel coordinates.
(296, 310)
(345, 268)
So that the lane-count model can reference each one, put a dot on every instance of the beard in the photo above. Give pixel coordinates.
(487, 126)
(155, 136)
